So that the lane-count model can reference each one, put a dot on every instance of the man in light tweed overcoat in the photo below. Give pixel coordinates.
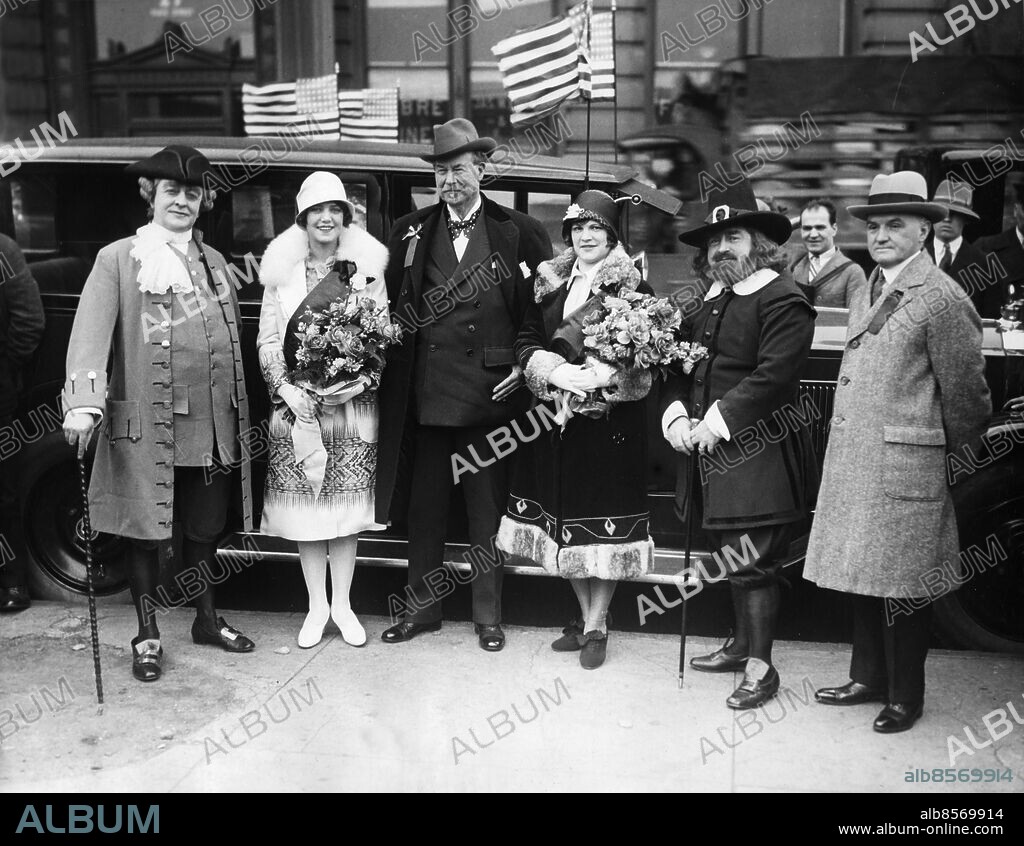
(911, 389)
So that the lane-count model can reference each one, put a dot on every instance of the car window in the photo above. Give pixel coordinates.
(33, 208)
(549, 209)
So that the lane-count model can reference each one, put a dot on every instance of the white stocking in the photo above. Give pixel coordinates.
(313, 556)
(343, 567)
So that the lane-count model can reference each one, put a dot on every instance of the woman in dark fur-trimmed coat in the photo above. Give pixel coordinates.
(578, 503)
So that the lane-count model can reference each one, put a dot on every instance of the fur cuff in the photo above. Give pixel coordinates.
(540, 366)
(629, 385)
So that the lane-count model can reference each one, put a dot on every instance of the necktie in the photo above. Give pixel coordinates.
(876, 287)
(812, 268)
(946, 261)
(457, 228)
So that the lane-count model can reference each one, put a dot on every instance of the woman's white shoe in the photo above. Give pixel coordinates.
(352, 631)
(312, 631)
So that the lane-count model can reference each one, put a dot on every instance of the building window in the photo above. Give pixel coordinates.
(405, 45)
(124, 26)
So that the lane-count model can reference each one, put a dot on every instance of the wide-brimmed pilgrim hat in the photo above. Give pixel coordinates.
(455, 137)
(736, 206)
(321, 187)
(903, 192)
(956, 196)
(178, 162)
(592, 205)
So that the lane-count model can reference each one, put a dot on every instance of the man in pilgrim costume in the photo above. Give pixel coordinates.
(154, 360)
(737, 410)
(911, 389)
(459, 280)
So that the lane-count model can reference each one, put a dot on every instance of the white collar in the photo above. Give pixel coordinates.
(157, 231)
(890, 273)
(824, 258)
(589, 274)
(1020, 235)
(752, 284)
(469, 214)
(954, 246)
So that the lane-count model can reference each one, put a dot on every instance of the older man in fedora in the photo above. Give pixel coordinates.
(752, 494)
(155, 362)
(911, 389)
(460, 280)
(954, 256)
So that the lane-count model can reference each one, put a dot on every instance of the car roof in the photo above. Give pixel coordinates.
(358, 155)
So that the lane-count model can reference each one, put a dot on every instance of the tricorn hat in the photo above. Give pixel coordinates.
(956, 196)
(903, 192)
(178, 162)
(592, 205)
(454, 137)
(736, 206)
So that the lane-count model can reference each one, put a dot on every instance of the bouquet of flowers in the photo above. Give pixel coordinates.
(631, 330)
(638, 330)
(341, 349)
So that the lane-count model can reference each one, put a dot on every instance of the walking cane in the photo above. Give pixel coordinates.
(87, 531)
(691, 464)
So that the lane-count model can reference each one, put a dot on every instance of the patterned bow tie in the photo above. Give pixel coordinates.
(457, 228)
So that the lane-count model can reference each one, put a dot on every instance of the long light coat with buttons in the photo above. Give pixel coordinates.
(908, 393)
(121, 329)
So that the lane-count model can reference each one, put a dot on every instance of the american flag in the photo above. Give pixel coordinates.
(593, 34)
(369, 115)
(306, 107)
(539, 68)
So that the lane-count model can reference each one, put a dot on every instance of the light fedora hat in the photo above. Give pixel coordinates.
(956, 196)
(321, 187)
(903, 192)
(457, 136)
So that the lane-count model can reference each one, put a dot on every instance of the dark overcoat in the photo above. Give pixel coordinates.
(119, 362)
(21, 322)
(970, 270)
(518, 244)
(910, 390)
(1006, 248)
(757, 345)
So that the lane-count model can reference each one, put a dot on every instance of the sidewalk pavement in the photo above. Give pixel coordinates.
(440, 714)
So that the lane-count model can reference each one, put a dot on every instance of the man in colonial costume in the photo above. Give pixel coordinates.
(754, 490)
(911, 388)
(154, 359)
(459, 283)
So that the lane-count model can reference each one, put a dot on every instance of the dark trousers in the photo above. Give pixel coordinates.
(485, 493)
(12, 569)
(890, 654)
(746, 569)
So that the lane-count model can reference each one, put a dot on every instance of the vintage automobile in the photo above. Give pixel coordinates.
(69, 201)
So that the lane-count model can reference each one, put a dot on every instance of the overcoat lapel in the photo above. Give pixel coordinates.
(912, 276)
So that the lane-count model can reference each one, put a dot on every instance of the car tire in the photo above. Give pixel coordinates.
(52, 529)
(987, 611)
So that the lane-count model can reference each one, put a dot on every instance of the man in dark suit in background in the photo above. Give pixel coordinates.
(460, 280)
(1008, 248)
(955, 257)
(21, 330)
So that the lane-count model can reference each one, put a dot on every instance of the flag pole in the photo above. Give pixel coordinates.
(615, 92)
(586, 176)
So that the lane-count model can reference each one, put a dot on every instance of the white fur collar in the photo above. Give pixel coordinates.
(289, 249)
(617, 270)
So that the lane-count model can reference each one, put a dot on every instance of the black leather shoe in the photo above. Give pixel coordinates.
(853, 693)
(571, 640)
(898, 716)
(492, 638)
(14, 598)
(147, 658)
(719, 661)
(227, 638)
(401, 632)
(594, 650)
(752, 692)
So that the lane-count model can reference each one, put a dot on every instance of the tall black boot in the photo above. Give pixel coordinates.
(200, 560)
(143, 579)
(732, 655)
(761, 680)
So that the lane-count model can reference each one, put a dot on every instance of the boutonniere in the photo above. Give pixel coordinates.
(414, 232)
(359, 281)
(524, 268)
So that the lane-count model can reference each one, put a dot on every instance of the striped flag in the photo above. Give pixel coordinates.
(539, 69)
(306, 107)
(593, 34)
(369, 115)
